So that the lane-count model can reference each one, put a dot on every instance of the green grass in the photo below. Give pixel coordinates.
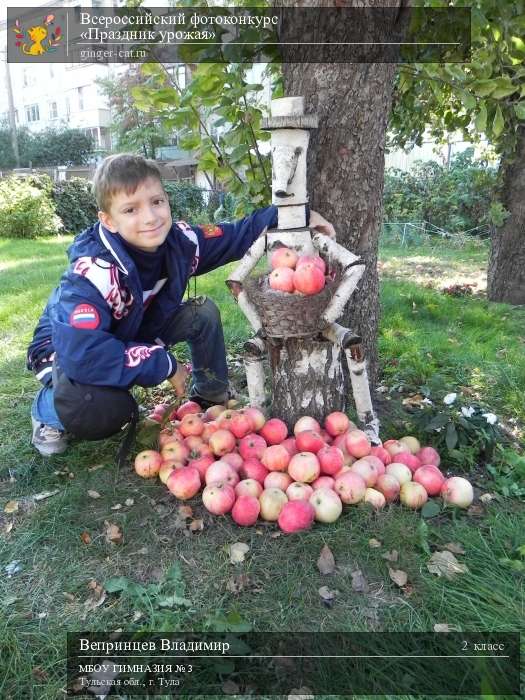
(426, 338)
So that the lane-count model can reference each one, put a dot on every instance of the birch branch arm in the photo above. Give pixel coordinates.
(250, 260)
(339, 335)
(344, 291)
(334, 251)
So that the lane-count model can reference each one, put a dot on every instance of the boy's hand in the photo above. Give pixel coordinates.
(179, 379)
(320, 224)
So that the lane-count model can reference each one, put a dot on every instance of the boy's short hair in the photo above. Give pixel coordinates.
(123, 171)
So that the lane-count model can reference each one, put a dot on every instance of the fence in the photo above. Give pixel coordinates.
(407, 233)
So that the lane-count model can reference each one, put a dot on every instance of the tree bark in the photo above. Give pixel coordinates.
(506, 270)
(345, 184)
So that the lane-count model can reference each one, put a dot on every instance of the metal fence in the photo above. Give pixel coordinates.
(408, 233)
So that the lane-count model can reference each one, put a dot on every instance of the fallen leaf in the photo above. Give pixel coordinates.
(374, 543)
(454, 547)
(136, 615)
(39, 673)
(11, 507)
(391, 556)
(445, 564)
(275, 535)
(230, 688)
(95, 467)
(359, 584)
(398, 576)
(185, 511)
(326, 561)
(93, 494)
(117, 506)
(327, 596)
(237, 583)
(445, 627)
(488, 497)
(238, 552)
(129, 502)
(69, 596)
(196, 525)
(44, 494)
(85, 537)
(95, 600)
(113, 533)
(8, 527)
(416, 400)
(475, 511)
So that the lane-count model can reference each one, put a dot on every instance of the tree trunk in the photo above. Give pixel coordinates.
(506, 270)
(345, 184)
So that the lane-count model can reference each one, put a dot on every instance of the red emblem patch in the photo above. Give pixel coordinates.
(84, 316)
(211, 231)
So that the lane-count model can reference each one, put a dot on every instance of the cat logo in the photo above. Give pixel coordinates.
(40, 39)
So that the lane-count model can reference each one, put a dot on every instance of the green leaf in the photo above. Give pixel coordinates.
(115, 584)
(499, 123)
(170, 601)
(519, 109)
(430, 509)
(451, 437)
(422, 532)
(481, 117)
(437, 422)
(468, 100)
(482, 88)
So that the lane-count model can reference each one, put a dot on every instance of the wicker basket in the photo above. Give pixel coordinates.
(286, 315)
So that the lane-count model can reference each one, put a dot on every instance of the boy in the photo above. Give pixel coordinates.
(119, 308)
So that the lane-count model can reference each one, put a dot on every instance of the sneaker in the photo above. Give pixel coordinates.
(47, 440)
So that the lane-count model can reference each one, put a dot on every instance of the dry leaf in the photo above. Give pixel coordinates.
(275, 535)
(398, 576)
(11, 507)
(454, 547)
(445, 564)
(326, 561)
(93, 494)
(196, 525)
(113, 533)
(8, 527)
(185, 511)
(238, 552)
(117, 506)
(445, 627)
(95, 467)
(129, 502)
(416, 400)
(230, 688)
(488, 497)
(95, 600)
(374, 543)
(391, 556)
(359, 584)
(44, 494)
(237, 583)
(327, 596)
(39, 674)
(85, 537)
(69, 596)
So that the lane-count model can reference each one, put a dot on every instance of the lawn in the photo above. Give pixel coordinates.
(430, 343)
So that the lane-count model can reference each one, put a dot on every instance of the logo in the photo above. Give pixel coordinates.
(85, 317)
(211, 231)
(40, 39)
(139, 353)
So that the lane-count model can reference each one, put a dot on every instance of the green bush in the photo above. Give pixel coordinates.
(458, 198)
(186, 201)
(25, 210)
(45, 148)
(75, 204)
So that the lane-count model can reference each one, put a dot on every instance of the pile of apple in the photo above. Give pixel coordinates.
(250, 467)
(296, 274)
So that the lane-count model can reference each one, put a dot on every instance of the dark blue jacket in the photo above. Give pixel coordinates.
(94, 320)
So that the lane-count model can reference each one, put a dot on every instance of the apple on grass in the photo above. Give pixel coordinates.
(327, 505)
(246, 510)
(218, 498)
(184, 483)
(148, 463)
(272, 501)
(296, 516)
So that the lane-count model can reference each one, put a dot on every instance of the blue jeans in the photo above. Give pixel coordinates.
(196, 321)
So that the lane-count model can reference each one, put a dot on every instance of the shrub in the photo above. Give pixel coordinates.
(458, 198)
(186, 201)
(25, 210)
(75, 204)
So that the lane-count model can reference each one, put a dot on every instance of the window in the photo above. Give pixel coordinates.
(53, 110)
(81, 93)
(93, 132)
(32, 113)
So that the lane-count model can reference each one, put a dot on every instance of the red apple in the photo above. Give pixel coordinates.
(382, 454)
(314, 260)
(283, 257)
(428, 455)
(411, 443)
(309, 441)
(193, 442)
(298, 491)
(221, 471)
(296, 516)
(336, 423)
(175, 450)
(213, 412)
(218, 498)
(256, 415)
(234, 459)
(248, 487)
(224, 421)
(166, 469)
(281, 280)
(253, 469)
(401, 472)
(331, 460)
(201, 464)
(147, 463)
(274, 431)
(358, 444)
(276, 458)
(184, 483)
(186, 408)
(430, 478)
(389, 487)
(304, 467)
(409, 459)
(376, 463)
(366, 470)
(375, 498)
(323, 482)
(191, 424)
(222, 442)
(277, 480)
(290, 445)
(306, 423)
(413, 495)
(252, 446)
(272, 501)
(350, 487)
(457, 491)
(394, 447)
(246, 510)
(308, 279)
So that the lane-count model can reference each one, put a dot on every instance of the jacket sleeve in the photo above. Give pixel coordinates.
(219, 244)
(87, 350)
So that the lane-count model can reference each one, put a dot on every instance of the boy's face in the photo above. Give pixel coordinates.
(142, 218)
